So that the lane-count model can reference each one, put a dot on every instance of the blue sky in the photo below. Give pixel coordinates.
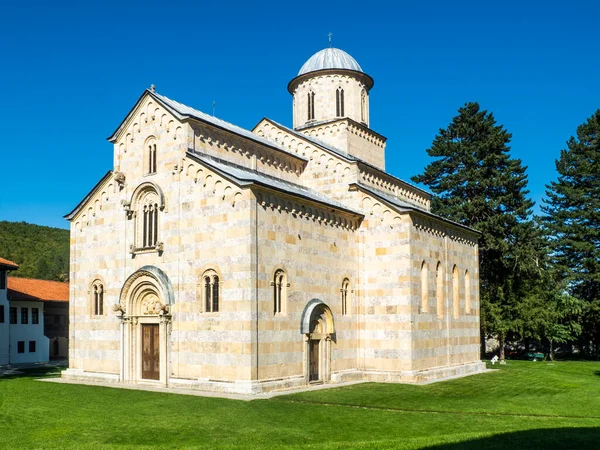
(70, 72)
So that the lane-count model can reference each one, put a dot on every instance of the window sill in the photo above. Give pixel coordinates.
(158, 248)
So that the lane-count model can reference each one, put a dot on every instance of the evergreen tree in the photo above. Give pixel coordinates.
(572, 220)
(479, 185)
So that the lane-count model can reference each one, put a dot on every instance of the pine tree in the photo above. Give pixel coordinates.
(572, 220)
(479, 185)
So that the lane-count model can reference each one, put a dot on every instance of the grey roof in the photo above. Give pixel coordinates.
(345, 155)
(405, 206)
(185, 110)
(315, 141)
(330, 58)
(243, 175)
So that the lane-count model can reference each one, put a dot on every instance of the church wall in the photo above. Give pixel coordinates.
(450, 336)
(385, 339)
(213, 232)
(316, 256)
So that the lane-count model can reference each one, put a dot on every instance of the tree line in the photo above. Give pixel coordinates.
(539, 275)
(41, 252)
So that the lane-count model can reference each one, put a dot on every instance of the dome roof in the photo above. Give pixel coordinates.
(330, 58)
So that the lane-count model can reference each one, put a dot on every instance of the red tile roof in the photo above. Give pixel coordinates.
(32, 289)
(7, 263)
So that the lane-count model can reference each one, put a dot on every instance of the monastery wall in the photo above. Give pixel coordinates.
(385, 338)
(317, 249)
(445, 295)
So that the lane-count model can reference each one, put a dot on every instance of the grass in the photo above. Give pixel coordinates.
(521, 405)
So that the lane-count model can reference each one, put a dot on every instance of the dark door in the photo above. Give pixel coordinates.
(313, 360)
(150, 352)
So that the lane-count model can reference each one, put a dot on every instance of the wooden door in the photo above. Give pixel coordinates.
(150, 352)
(313, 360)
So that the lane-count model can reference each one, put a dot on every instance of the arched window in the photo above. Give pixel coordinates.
(150, 156)
(339, 102)
(280, 285)
(97, 298)
(455, 292)
(424, 288)
(344, 291)
(439, 287)
(311, 105)
(363, 106)
(467, 292)
(146, 208)
(210, 281)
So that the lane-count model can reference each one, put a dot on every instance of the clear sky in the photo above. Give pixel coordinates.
(70, 72)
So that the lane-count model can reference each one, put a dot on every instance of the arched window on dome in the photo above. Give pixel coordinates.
(311, 105)
(363, 106)
(339, 102)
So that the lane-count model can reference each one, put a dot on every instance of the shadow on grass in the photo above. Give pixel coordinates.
(545, 438)
(33, 372)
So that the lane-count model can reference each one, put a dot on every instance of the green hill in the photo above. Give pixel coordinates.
(41, 252)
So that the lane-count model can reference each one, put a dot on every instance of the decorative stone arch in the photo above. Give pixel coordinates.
(139, 192)
(144, 310)
(317, 326)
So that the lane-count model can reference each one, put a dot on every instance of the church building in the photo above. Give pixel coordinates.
(217, 258)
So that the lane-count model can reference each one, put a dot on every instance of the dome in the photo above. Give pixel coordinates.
(330, 58)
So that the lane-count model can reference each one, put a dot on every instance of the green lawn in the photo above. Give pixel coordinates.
(521, 405)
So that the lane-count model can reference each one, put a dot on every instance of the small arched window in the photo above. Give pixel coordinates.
(150, 156)
(280, 285)
(210, 281)
(311, 105)
(439, 288)
(344, 291)
(424, 289)
(97, 298)
(455, 292)
(339, 102)
(467, 292)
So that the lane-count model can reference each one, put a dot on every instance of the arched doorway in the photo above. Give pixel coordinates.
(318, 330)
(144, 311)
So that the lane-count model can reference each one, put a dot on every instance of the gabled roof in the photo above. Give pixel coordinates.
(6, 264)
(344, 155)
(242, 176)
(183, 112)
(89, 195)
(401, 206)
(33, 289)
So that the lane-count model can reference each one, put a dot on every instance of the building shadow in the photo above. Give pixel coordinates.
(541, 438)
(40, 370)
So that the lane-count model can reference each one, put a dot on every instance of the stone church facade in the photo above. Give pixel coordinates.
(217, 258)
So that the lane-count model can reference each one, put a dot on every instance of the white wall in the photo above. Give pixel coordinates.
(4, 340)
(28, 332)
